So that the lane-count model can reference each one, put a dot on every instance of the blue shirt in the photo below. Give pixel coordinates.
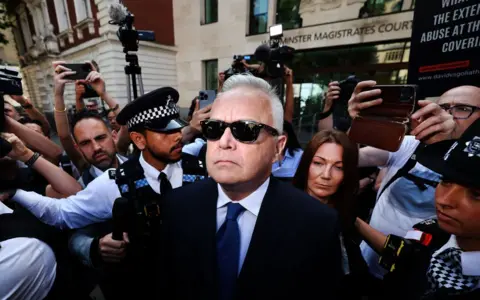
(288, 166)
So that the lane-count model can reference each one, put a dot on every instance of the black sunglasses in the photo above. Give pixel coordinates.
(242, 131)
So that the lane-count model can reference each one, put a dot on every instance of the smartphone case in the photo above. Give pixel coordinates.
(382, 126)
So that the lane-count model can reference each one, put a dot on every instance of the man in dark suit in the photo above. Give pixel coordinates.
(243, 234)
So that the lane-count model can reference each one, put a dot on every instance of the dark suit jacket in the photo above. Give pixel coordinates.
(294, 252)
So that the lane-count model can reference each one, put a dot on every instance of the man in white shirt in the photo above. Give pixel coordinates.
(440, 257)
(401, 201)
(249, 236)
(155, 128)
(28, 265)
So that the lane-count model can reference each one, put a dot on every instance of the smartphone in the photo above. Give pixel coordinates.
(206, 97)
(388, 121)
(89, 91)
(81, 71)
(398, 100)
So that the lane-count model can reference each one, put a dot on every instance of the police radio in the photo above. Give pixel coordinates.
(120, 212)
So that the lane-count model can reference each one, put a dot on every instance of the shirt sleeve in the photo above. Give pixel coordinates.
(409, 144)
(194, 148)
(91, 205)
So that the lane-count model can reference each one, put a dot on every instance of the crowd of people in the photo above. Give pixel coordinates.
(141, 204)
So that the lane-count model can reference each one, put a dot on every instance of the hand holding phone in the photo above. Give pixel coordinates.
(81, 70)
(431, 123)
(384, 110)
(206, 98)
(362, 98)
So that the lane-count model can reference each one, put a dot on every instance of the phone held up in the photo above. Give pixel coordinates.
(206, 98)
(385, 125)
(81, 71)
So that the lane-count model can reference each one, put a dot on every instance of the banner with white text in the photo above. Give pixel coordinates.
(445, 47)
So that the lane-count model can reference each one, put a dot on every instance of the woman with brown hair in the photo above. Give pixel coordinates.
(328, 172)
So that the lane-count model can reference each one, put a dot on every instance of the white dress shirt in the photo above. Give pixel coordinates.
(93, 204)
(27, 268)
(246, 220)
(470, 259)
(96, 172)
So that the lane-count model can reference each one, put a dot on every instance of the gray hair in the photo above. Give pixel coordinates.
(250, 81)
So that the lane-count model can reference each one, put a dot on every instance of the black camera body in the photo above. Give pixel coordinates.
(237, 67)
(10, 84)
(274, 57)
(129, 36)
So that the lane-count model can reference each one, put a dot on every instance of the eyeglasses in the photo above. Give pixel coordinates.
(461, 111)
(242, 131)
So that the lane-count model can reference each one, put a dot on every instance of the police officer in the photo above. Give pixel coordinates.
(439, 258)
(156, 129)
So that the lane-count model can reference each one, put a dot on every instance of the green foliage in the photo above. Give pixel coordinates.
(4, 21)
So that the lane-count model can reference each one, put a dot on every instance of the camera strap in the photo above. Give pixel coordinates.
(404, 172)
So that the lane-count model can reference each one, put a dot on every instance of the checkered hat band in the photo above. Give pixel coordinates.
(152, 114)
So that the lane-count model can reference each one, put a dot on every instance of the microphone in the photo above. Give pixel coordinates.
(117, 13)
(120, 212)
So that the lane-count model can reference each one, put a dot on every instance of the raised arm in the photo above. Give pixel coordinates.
(195, 128)
(61, 119)
(289, 101)
(35, 140)
(91, 205)
(326, 117)
(33, 112)
(373, 237)
(59, 179)
(372, 157)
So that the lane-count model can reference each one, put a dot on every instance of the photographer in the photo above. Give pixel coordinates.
(406, 195)
(82, 161)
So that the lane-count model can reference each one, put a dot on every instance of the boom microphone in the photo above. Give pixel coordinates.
(117, 13)
(120, 218)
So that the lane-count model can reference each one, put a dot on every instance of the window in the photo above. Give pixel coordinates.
(258, 16)
(287, 14)
(379, 7)
(62, 15)
(211, 74)
(211, 11)
(82, 10)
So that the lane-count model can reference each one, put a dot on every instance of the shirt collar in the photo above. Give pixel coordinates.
(153, 173)
(95, 172)
(252, 203)
(470, 259)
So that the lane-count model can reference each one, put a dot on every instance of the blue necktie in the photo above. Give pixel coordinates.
(228, 252)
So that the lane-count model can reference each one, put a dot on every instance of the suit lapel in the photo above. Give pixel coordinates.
(206, 230)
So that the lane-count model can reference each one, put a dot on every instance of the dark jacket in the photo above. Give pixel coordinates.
(294, 252)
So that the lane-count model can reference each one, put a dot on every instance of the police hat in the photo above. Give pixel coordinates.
(456, 160)
(155, 111)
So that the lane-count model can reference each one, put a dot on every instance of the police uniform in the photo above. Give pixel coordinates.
(428, 263)
(135, 179)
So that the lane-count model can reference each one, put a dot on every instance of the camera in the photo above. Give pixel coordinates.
(203, 96)
(127, 34)
(275, 55)
(10, 84)
(237, 66)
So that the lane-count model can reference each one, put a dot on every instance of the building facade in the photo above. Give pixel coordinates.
(332, 39)
(76, 31)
